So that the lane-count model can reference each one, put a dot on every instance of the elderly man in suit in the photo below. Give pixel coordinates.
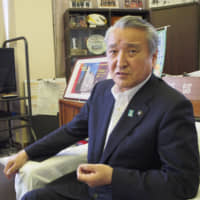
(142, 137)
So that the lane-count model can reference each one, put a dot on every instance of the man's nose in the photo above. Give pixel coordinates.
(121, 59)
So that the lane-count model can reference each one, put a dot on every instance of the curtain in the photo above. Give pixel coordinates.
(59, 8)
(2, 23)
(7, 22)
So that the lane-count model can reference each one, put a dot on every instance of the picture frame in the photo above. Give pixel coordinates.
(80, 4)
(107, 4)
(86, 73)
(133, 3)
(161, 3)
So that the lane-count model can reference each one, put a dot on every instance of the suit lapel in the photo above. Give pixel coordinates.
(133, 114)
(105, 119)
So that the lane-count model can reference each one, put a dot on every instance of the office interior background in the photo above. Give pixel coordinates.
(41, 22)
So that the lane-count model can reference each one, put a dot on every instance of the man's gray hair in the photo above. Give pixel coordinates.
(137, 22)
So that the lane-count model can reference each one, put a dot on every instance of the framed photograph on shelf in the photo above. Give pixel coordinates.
(107, 3)
(133, 4)
(161, 3)
(80, 4)
(87, 72)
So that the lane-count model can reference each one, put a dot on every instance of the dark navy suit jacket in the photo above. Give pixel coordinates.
(153, 150)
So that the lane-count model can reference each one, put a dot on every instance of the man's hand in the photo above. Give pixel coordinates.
(15, 163)
(95, 174)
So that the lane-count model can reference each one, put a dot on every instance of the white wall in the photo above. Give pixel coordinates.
(33, 20)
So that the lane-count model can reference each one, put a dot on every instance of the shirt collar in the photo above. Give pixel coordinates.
(128, 94)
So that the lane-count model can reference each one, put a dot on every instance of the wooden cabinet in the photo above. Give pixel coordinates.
(196, 108)
(68, 109)
(77, 32)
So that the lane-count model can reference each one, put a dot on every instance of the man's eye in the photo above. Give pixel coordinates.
(132, 51)
(112, 52)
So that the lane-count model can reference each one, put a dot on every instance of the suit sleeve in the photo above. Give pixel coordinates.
(178, 177)
(64, 136)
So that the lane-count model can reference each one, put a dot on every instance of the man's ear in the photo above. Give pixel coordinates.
(154, 58)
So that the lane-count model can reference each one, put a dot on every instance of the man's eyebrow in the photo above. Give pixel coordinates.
(135, 45)
(112, 46)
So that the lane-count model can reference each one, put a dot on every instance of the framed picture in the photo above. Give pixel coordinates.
(80, 3)
(108, 3)
(161, 3)
(133, 3)
(87, 72)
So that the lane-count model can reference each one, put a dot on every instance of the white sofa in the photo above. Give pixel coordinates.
(35, 174)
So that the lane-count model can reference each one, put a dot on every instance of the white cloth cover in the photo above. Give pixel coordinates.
(35, 175)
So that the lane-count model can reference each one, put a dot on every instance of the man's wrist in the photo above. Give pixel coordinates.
(24, 155)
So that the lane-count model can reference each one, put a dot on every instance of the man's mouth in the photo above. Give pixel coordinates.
(121, 74)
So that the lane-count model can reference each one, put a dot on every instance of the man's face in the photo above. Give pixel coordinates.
(129, 59)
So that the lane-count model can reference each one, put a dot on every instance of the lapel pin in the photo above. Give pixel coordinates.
(139, 112)
(131, 113)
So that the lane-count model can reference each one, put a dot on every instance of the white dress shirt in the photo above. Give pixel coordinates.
(122, 100)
